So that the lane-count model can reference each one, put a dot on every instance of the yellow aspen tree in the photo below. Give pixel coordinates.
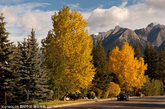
(128, 69)
(74, 43)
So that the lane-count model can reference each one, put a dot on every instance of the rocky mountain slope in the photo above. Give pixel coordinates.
(153, 34)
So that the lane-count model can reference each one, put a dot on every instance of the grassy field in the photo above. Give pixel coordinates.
(57, 102)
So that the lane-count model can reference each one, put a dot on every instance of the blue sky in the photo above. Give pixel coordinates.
(23, 15)
(83, 4)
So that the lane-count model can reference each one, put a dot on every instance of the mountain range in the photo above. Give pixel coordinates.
(153, 35)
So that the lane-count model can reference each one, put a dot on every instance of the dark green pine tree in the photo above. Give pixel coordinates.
(137, 51)
(30, 79)
(5, 62)
(38, 79)
(162, 65)
(24, 70)
(17, 66)
(147, 54)
(102, 77)
(151, 58)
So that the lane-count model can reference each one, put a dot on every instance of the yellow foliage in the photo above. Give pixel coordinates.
(128, 69)
(75, 44)
(114, 89)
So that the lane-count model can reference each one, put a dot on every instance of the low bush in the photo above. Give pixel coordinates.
(98, 93)
(114, 89)
(105, 94)
(153, 87)
(91, 95)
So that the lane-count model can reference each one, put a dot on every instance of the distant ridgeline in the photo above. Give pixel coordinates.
(153, 35)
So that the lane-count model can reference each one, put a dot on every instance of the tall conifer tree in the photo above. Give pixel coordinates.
(151, 58)
(162, 65)
(39, 88)
(24, 71)
(5, 61)
(137, 51)
(16, 68)
(31, 81)
(102, 77)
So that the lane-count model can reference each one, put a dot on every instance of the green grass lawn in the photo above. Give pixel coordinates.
(57, 102)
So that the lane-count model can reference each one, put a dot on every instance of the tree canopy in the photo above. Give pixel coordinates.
(128, 69)
(73, 43)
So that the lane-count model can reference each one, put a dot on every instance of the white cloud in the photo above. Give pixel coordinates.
(101, 19)
(134, 16)
(39, 20)
(22, 18)
(123, 4)
(10, 14)
(74, 6)
(159, 4)
(85, 14)
(36, 19)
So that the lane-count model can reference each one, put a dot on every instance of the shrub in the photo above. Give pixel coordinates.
(106, 94)
(91, 95)
(98, 92)
(153, 87)
(114, 89)
(84, 92)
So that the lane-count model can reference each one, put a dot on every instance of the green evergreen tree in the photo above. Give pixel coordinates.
(39, 88)
(31, 82)
(24, 71)
(5, 62)
(109, 51)
(137, 51)
(102, 77)
(23, 76)
(16, 68)
(162, 65)
(151, 58)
